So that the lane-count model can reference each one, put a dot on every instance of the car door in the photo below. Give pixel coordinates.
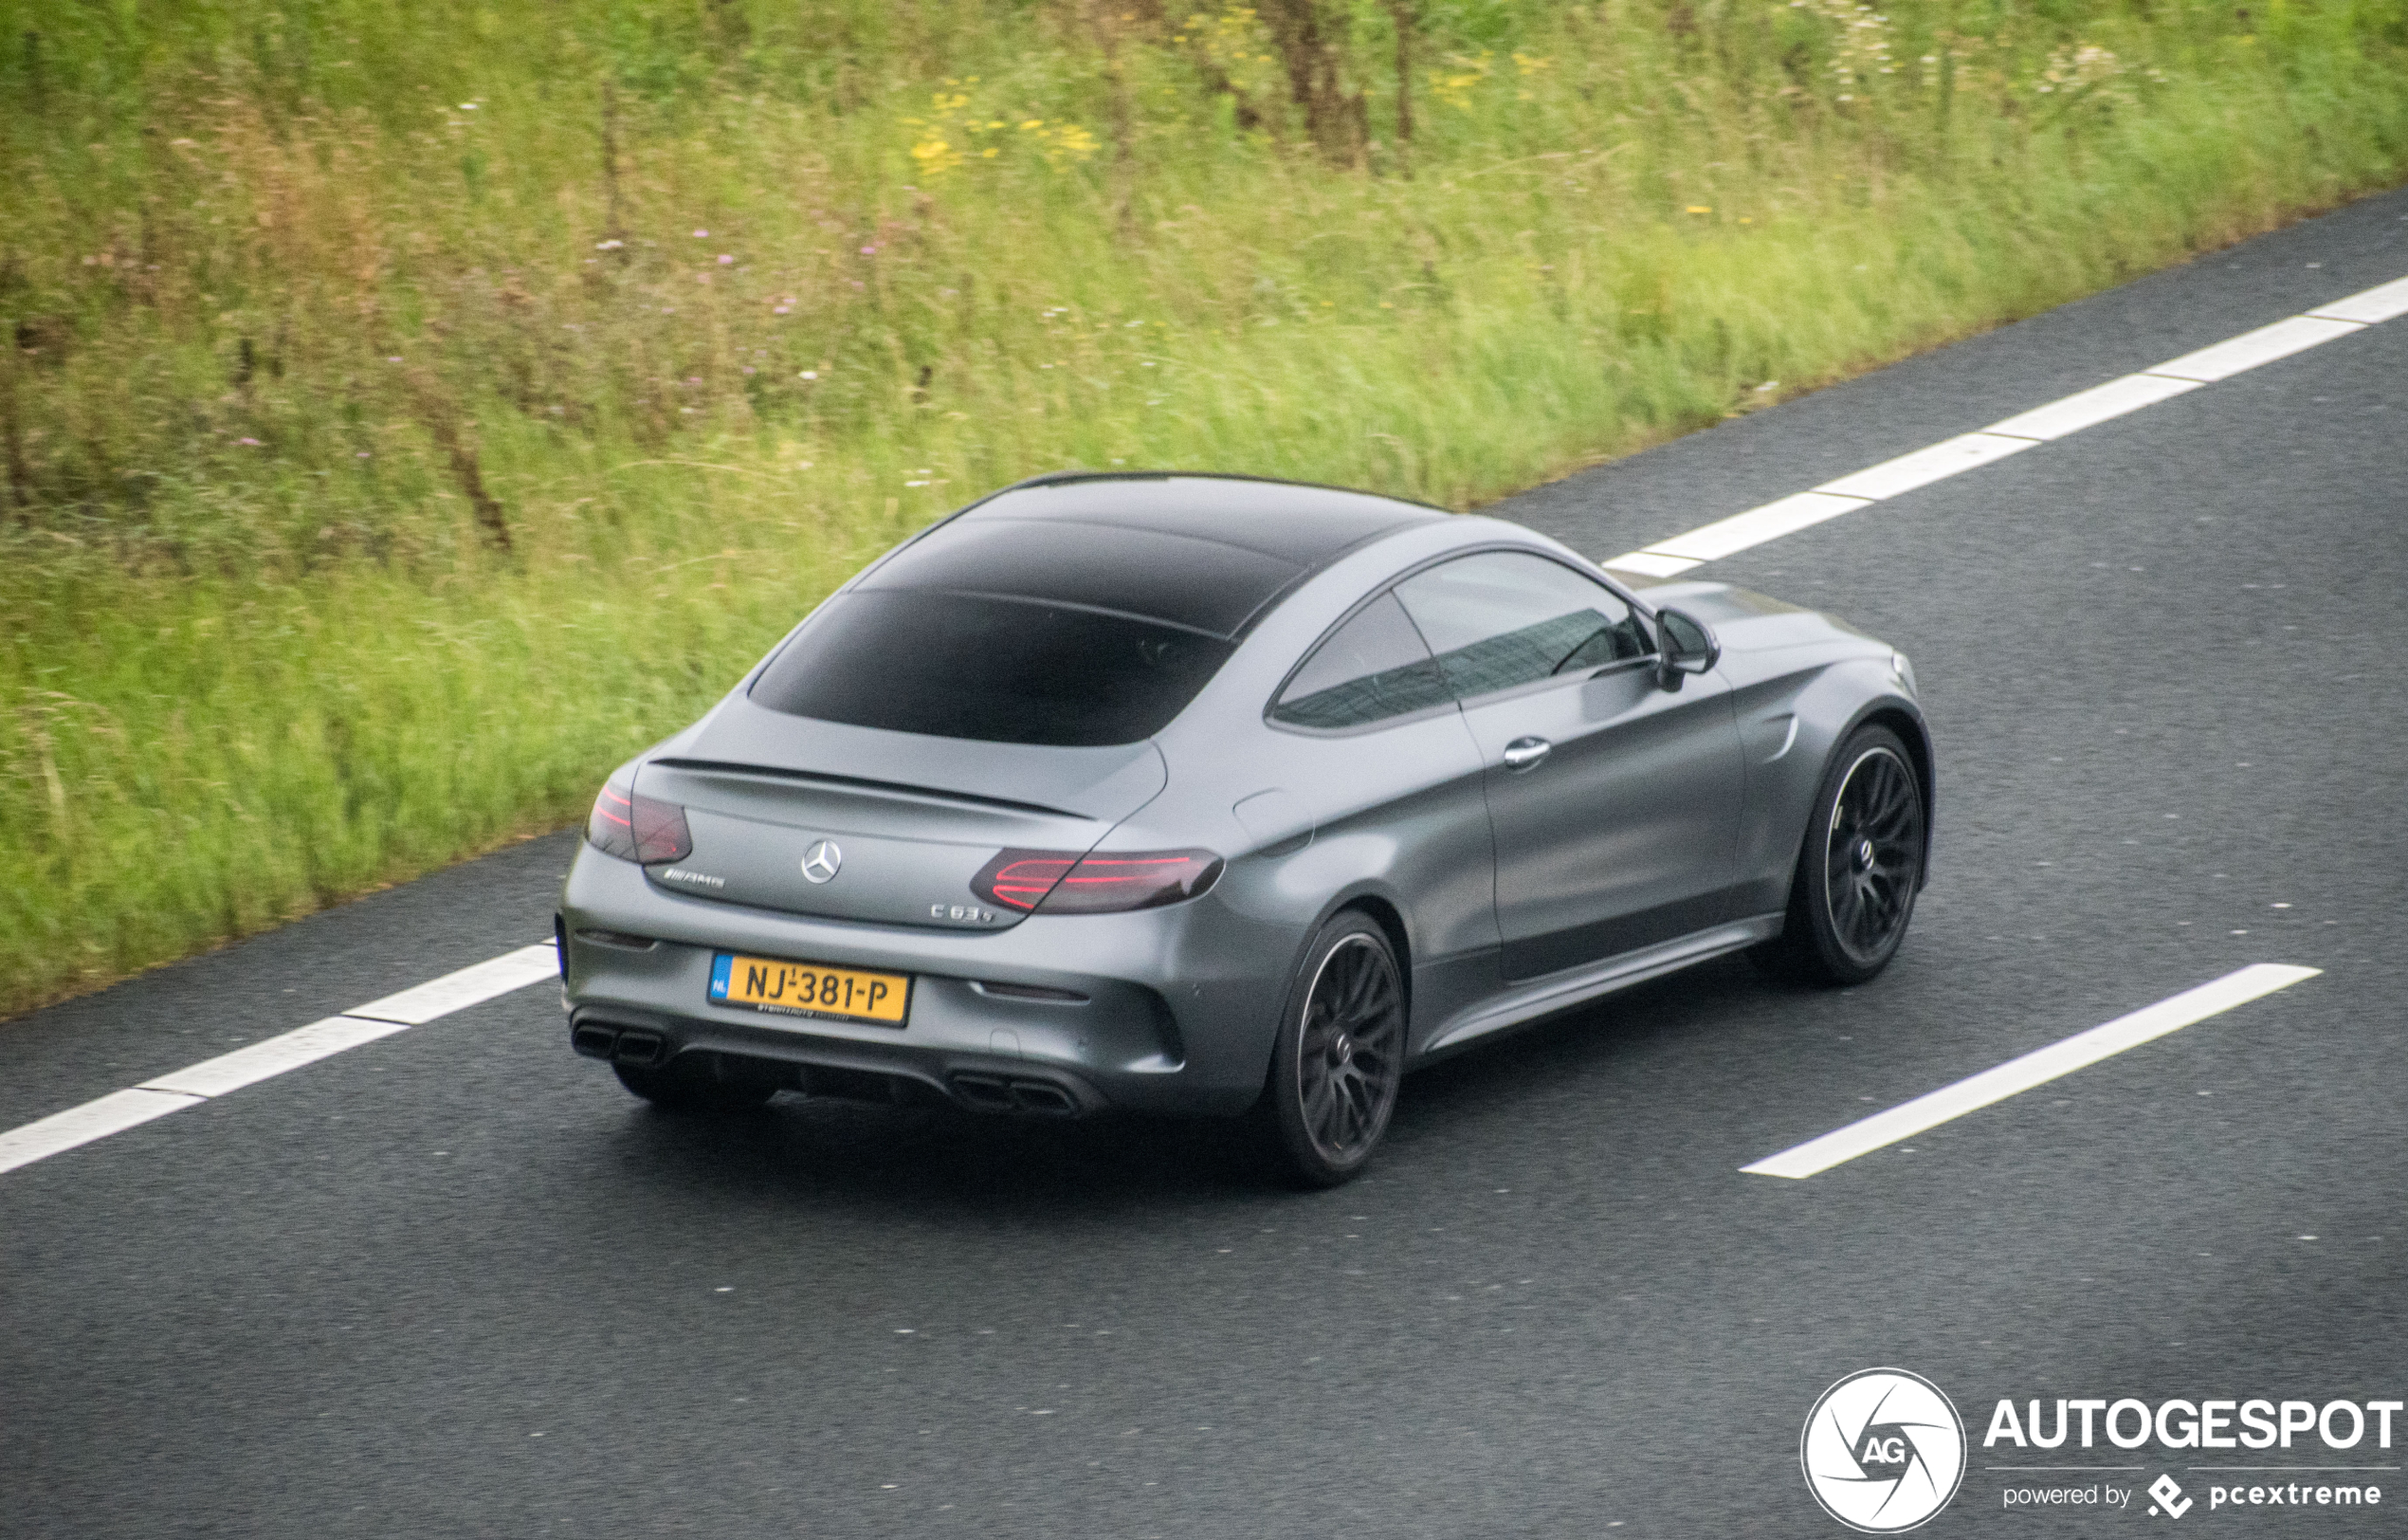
(1395, 788)
(1615, 801)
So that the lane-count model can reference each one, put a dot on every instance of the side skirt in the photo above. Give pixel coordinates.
(1528, 1003)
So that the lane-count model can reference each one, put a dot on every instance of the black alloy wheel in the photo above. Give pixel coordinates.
(1862, 864)
(1340, 1057)
(1874, 855)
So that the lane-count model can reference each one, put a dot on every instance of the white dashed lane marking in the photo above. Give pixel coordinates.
(198, 1083)
(2024, 431)
(2033, 1068)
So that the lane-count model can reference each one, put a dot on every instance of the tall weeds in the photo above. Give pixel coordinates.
(404, 415)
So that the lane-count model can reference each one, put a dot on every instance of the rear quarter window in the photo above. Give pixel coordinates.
(1369, 669)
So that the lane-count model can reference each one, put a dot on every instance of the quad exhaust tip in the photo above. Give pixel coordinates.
(997, 1094)
(619, 1045)
(639, 1048)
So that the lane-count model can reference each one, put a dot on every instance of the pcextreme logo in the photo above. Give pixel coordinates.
(1883, 1451)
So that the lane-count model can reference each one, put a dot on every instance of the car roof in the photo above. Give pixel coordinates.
(1209, 553)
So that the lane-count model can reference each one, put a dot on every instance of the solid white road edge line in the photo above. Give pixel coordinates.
(2084, 409)
(469, 986)
(1742, 530)
(2369, 307)
(2247, 351)
(248, 1065)
(2036, 1068)
(2087, 409)
(1949, 457)
(113, 1114)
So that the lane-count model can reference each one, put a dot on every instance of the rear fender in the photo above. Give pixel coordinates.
(1385, 908)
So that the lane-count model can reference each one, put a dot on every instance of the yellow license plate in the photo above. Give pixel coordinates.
(763, 983)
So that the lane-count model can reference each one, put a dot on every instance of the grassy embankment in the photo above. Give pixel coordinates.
(389, 449)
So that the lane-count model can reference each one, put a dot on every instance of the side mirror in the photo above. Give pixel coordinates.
(1684, 646)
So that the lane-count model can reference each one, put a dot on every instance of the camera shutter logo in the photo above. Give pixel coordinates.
(1883, 1451)
(822, 861)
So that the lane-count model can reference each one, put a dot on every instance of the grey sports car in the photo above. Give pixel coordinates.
(1203, 794)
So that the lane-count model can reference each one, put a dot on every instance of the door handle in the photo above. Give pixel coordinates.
(1525, 752)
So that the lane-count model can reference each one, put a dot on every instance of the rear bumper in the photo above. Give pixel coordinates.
(1176, 1012)
(821, 1068)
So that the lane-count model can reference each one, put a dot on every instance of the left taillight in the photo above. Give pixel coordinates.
(1099, 882)
(637, 828)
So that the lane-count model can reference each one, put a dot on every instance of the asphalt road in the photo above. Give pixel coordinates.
(457, 1282)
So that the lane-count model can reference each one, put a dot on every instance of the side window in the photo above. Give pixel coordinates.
(1371, 667)
(1503, 618)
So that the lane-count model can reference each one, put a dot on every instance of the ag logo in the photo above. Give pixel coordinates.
(1883, 1451)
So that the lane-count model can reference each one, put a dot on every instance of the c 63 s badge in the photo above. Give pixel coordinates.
(1884, 1451)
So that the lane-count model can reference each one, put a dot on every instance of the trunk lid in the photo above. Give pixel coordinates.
(911, 818)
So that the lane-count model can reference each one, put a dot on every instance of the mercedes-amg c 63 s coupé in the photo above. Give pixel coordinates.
(1177, 793)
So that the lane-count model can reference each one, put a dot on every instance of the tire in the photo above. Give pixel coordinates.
(697, 1083)
(1858, 868)
(1338, 1060)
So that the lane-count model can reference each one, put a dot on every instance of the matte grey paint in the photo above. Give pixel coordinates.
(1623, 836)
(1662, 828)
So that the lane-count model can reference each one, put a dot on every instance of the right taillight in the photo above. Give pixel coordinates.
(637, 828)
(1100, 882)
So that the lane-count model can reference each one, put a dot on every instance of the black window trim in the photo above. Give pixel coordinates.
(1001, 597)
(1645, 613)
(1540, 687)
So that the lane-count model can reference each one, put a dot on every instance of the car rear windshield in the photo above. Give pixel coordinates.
(998, 669)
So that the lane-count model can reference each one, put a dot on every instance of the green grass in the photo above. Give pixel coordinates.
(362, 505)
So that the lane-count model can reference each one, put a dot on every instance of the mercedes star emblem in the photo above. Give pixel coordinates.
(823, 861)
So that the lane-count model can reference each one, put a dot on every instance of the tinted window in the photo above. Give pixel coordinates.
(1202, 584)
(1505, 619)
(1371, 667)
(997, 670)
